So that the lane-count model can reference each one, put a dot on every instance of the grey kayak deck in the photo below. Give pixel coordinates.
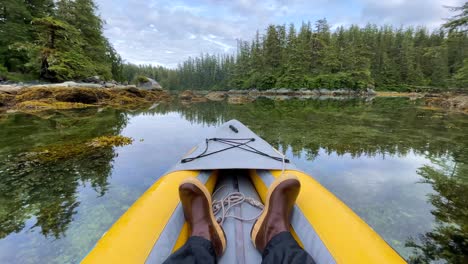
(244, 156)
(239, 246)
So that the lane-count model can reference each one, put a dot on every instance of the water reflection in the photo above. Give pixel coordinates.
(46, 189)
(356, 127)
(366, 152)
(366, 130)
(448, 241)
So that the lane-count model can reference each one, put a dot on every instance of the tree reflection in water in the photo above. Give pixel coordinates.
(369, 128)
(448, 241)
(46, 189)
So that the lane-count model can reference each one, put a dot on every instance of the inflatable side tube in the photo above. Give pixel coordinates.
(328, 229)
(150, 228)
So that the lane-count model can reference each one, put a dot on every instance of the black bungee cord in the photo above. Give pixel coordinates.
(241, 143)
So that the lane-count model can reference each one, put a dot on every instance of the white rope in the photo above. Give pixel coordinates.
(231, 200)
(283, 157)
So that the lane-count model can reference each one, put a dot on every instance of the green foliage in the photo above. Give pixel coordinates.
(461, 77)
(314, 57)
(141, 79)
(69, 65)
(460, 21)
(3, 71)
(449, 239)
(56, 41)
(344, 80)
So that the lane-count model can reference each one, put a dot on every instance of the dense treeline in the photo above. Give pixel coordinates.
(55, 41)
(63, 40)
(353, 57)
(314, 56)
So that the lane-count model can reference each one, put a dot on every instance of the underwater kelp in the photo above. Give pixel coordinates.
(43, 162)
(65, 151)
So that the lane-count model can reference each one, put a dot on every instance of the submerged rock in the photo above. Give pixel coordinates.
(240, 99)
(216, 96)
(238, 91)
(448, 102)
(186, 95)
(199, 99)
(67, 151)
(308, 92)
(110, 141)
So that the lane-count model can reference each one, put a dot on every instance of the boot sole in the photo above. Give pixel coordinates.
(218, 228)
(258, 223)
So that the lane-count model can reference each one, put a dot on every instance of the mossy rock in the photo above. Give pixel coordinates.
(136, 91)
(141, 79)
(85, 96)
(33, 94)
(6, 99)
(36, 105)
(110, 141)
(50, 98)
(67, 151)
(186, 95)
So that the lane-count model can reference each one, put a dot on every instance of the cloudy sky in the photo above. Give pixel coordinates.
(166, 32)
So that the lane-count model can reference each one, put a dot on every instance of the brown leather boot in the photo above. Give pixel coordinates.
(196, 201)
(276, 216)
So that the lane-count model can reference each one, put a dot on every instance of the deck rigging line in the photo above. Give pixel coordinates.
(225, 204)
(241, 143)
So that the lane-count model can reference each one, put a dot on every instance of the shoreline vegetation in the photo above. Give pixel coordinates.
(61, 43)
(72, 95)
(57, 41)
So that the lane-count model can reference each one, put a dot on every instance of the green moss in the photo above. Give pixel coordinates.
(66, 151)
(110, 141)
(33, 106)
(5, 99)
(141, 79)
(37, 99)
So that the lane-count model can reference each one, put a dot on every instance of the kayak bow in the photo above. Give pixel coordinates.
(236, 159)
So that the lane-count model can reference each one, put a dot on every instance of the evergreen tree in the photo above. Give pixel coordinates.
(55, 41)
(460, 21)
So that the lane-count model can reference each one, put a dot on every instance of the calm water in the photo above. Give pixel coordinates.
(403, 169)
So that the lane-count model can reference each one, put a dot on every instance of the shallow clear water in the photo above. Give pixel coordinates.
(403, 169)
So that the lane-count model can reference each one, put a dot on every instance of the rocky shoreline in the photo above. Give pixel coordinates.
(72, 95)
(247, 96)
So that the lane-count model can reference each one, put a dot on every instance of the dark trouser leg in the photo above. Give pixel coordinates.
(196, 250)
(282, 248)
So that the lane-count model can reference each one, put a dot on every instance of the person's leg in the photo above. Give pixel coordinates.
(196, 250)
(270, 234)
(283, 248)
(207, 239)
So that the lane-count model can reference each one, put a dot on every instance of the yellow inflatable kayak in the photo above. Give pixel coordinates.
(235, 159)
